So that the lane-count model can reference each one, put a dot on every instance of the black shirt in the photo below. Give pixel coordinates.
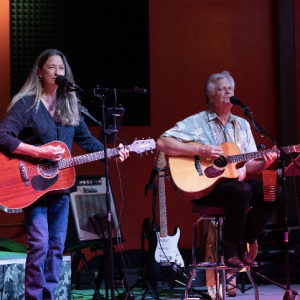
(37, 127)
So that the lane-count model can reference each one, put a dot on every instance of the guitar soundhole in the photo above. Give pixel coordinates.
(48, 168)
(221, 162)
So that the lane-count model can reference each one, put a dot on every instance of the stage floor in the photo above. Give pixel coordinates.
(266, 292)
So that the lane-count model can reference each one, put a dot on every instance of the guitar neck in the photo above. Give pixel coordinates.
(259, 154)
(162, 206)
(82, 159)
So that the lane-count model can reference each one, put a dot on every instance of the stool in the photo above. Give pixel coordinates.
(208, 212)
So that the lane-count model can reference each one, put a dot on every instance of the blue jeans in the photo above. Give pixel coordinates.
(46, 221)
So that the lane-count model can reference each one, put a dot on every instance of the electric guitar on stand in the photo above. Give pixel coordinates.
(164, 258)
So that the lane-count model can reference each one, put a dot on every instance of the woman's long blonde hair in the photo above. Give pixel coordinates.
(66, 112)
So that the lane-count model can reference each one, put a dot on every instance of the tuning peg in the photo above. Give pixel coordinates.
(152, 151)
(148, 138)
(146, 153)
(141, 155)
(136, 139)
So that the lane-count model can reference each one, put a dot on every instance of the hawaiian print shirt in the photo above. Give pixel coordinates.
(206, 128)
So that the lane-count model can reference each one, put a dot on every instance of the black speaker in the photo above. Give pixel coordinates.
(89, 200)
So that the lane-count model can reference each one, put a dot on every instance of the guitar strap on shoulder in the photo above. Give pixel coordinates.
(237, 133)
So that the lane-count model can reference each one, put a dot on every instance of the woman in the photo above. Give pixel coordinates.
(39, 114)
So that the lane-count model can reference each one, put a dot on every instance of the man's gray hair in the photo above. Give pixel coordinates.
(210, 84)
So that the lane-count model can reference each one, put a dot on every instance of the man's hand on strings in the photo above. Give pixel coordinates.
(269, 158)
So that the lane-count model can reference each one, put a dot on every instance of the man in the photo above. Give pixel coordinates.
(212, 128)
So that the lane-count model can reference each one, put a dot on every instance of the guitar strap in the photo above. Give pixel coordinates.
(237, 133)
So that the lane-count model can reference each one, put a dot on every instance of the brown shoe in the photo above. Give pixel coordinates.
(244, 255)
(230, 253)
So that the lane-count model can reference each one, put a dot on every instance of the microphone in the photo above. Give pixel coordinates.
(62, 81)
(236, 101)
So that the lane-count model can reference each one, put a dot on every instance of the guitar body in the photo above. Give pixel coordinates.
(24, 179)
(159, 270)
(15, 194)
(167, 249)
(190, 184)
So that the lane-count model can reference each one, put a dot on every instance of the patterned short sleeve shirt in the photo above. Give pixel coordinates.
(206, 128)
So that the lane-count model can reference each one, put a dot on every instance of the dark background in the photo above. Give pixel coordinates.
(106, 44)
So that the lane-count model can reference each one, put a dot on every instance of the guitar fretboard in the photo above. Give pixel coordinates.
(255, 155)
(82, 159)
(162, 206)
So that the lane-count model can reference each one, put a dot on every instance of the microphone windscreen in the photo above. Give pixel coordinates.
(234, 100)
(61, 80)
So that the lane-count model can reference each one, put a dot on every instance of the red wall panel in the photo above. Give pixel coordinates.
(189, 40)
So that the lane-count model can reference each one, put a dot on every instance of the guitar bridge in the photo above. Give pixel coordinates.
(24, 173)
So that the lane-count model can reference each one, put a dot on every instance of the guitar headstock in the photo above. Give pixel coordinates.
(160, 160)
(141, 146)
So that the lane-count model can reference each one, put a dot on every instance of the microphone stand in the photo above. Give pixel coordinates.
(101, 94)
(289, 294)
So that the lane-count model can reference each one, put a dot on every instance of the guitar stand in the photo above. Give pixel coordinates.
(104, 271)
(146, 286)
(142, 282)
(75, 254)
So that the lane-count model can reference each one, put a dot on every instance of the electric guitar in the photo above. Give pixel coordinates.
(163, 261)
(24, 179)
(195, 177)
(166, 250)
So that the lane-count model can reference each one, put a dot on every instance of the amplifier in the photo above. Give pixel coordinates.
(90, 199)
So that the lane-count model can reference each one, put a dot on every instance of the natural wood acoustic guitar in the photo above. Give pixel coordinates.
(194, 177)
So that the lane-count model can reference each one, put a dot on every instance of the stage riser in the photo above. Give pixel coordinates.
(12, 279)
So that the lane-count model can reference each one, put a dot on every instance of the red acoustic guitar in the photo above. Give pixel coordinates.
(24, 179)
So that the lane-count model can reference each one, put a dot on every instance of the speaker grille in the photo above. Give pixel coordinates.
(90, 199)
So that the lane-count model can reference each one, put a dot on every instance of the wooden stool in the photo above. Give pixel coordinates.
(217, 214)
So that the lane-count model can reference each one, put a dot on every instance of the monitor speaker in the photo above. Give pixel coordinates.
(90, 199)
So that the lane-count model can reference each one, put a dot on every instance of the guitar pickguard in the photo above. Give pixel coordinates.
(212, 172)
(40, 183)
(167, 250)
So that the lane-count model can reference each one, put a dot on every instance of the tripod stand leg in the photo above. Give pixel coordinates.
(121, 273)
(152, 291)
(270, 280)
(253, 283)
(74, 266)
(90, 276)
(100, 276)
